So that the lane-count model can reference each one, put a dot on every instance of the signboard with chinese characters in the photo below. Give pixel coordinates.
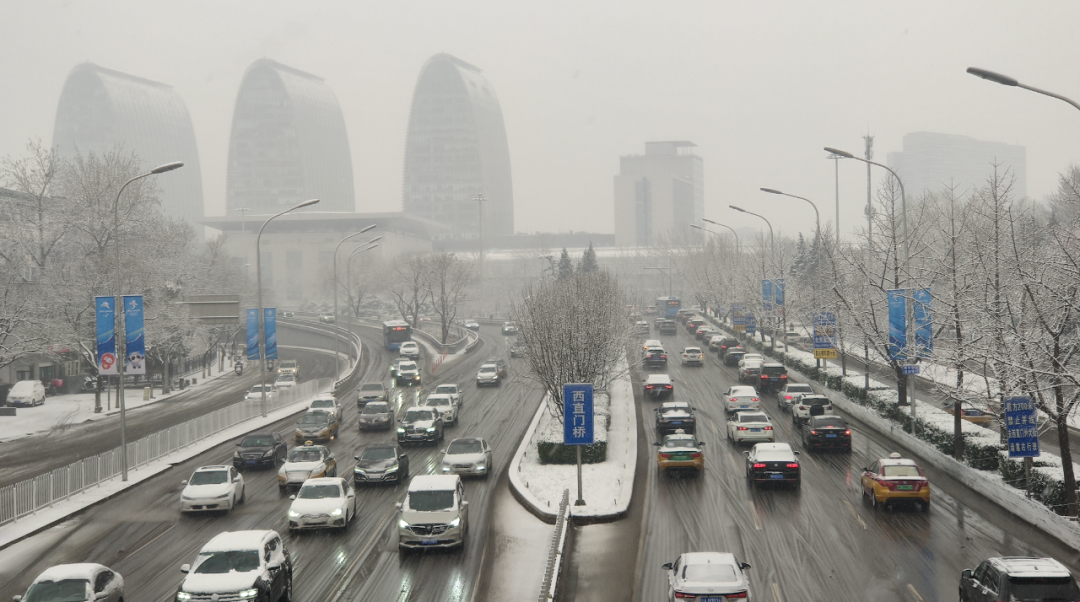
(825, 354)
(578, 414)
(825, 330)
(751, 324)
(106, 335)
(1021, 426)
(910, 369)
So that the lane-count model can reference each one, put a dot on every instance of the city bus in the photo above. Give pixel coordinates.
(396, 332)
(667, 307)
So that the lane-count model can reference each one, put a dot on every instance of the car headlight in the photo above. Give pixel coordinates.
(454, 524)
(481, 467)
(237, 456)
(294, 514)
(184, 497)
(402, 524)
(183, 596)
(358, 470)
(336, 512)
(446, 468)
(268, 453)
(221, 497)
(431, 429)
(247, 594)
(401, 430)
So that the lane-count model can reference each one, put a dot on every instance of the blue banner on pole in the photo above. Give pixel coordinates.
(270, 324)
(924, 328)
(135, 343)
(253, 334)
(1022, 427)
(751, 325)
(778, 290)
(767, 297)
(897, 325)
(578, 414)
(106, 335)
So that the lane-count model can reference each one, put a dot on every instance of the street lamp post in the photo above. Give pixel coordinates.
(772, 244)
(817, 238)
(909, 304)
(737, 250)
(258, 294)
(369, 245)
(118, 307)
(480, 229)
(1005, 80)
(337, 355)
(665, 270)
(243, 213)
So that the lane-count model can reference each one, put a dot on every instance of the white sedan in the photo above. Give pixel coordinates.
(256, 392)
(410, 350)
(741, 397)
(324, 503)
(467, 457)
(692, 356)
(451, 390)
(707, 576)
(212, 488)
(285, 381)
(327, 403)
(750, 426)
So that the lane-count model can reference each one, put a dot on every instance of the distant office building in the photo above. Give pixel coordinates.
(657, 193)
(456, 149)
(931, 161)
(288, 144)
(101, 109)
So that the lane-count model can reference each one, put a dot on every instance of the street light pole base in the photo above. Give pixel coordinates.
(579, 502)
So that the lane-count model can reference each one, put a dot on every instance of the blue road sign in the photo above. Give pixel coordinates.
(825, 330)
(1022, 428)
(578, 414)
(910, 369)
(751, 325)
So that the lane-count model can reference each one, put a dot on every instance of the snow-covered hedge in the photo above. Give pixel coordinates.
(549, 436)
(983, 448)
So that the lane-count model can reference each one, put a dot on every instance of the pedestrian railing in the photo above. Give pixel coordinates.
(549, 588)
(29, 496)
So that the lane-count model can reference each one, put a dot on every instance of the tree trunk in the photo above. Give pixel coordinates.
(901, 383)
(1063, 432)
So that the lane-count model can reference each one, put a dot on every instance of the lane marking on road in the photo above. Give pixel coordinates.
(139, 549)
(338, 588)
(753, 514)
(811, 460)
(915, 594)
(855, 514)
(776, 593)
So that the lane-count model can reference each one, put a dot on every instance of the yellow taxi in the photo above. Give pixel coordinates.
(896, 480)
(317, 425)
(970, 414)
(680, 451)
(307, 461)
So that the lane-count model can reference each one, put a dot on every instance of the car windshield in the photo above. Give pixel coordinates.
(375, 387)
(724, 573)
(465, 446)
(209, 477)
(771, 370)
(799, 389)
(827, 422)
(315, 418)
(305, 455)
(404, 366)
(64, 590)
(323, 403)
(674, 409)
(680, 442)
(1043, 588)
(488, 368)
(692, 350)
(774, 455)
(286, 378)
(378, 453)
(318, 492)
(446, 389)
(376, 408)
(258, 389)
(288, 364)
(901, 471)
(233, 561)
(816, 401)
(747, 417)
(434, 401)
(431, 501)
(257, 441)
(418, 415)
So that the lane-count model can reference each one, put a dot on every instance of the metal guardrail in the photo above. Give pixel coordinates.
(549, 588)
(33, 494)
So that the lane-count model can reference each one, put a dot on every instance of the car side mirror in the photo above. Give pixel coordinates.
(465, 503)
(666, 566)
(744, 565)
(701, 444)
(398, 505)
(237, 444)
(185, 568)
(292, 497)
(183, 483)
(797, 453)
(965, 574)
(866, 469)
(236, 479)
(746, 453)
(403, 457)
(101, 595)
(656, 443)
(273, 566)
(356, 457)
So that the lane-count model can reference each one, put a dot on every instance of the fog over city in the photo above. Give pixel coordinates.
(760, 88)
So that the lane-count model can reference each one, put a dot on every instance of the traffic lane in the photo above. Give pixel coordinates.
(147, 546)
(98, 436)
(820, 540)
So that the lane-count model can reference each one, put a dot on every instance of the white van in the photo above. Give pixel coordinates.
(26, 393)
(434, 513)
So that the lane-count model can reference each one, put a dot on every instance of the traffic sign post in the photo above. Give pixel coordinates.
(1021, 426)
(910, 369)
(578, 423)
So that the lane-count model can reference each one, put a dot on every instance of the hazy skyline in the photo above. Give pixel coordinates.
(759, 87)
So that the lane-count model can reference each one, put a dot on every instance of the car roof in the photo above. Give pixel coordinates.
(743, 389)
(237, 540)
(446, 385)
(773, 365)
(214, 467)
(1027, 566)
(689, 349)
(674, 404)
(897, 462)
(708, 558)
(323, 481)
(440, 397)
(489, 365)
(658, 378)
(773, 447)
(433, 482)
(315, 447)
(80, 570)
(476, 439)
(380, 446)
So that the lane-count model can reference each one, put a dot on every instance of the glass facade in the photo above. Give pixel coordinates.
(455, 150)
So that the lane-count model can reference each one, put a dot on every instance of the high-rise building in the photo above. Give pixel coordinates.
(101, 110)
(456, 149)
(931, 161)
(658, 193)
(288, 143)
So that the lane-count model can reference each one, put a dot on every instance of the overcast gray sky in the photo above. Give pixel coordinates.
(761, 87)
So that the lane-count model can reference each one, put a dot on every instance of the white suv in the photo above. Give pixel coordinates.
(240, 565)
(434, 514)
(445, 404)
(805, 408)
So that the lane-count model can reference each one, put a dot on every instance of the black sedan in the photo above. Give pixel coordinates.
(675, 415)
(260, 450)
(381, 463)
(773, 463)
(655, 358)
(734, 356)
(826, 432)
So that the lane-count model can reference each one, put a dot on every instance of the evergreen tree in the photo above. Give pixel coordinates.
(588, 263)
(566, 267)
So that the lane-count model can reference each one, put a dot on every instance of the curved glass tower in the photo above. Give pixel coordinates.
(101, 109)
(288, 143)
(456, 149)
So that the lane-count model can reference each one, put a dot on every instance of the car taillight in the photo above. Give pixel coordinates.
(648, 386)
(783, 376)
(733, 399)
(813, 432)
(793, 465)
(682, 596)
(803, 408)
(667, 386)
(742, 428)
(890, 485)
(787, 398)
(665, 456)
(753, 399)
(848, 432)
(663, 357)
(736, 595)
(759, 465)
(695, 455)
(768, 428)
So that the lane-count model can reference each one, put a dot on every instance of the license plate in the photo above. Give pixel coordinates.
(316, 522)
(712, 599)
(904, 488)
(252, 462)
(830, 436)
(428, 542)
(676, 422)
(755, 430)
(776, 476)
(744, 407)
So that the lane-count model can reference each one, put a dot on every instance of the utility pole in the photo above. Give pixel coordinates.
(869, 140)
(480, 227)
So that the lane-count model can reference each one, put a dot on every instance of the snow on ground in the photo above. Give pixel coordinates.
(520, 543)
(607, 486)
(62, 411)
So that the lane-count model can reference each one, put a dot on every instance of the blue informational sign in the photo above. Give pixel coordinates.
(897, 324)
(751, 325)
(270, 324)
(135, 342)
(910, 369)
(253, 334)
(825, 330)
(106, 335)
(924, 331)
(924, 334)
(578, 414)
(767, 296)
(1022, 427)
(778, 290)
